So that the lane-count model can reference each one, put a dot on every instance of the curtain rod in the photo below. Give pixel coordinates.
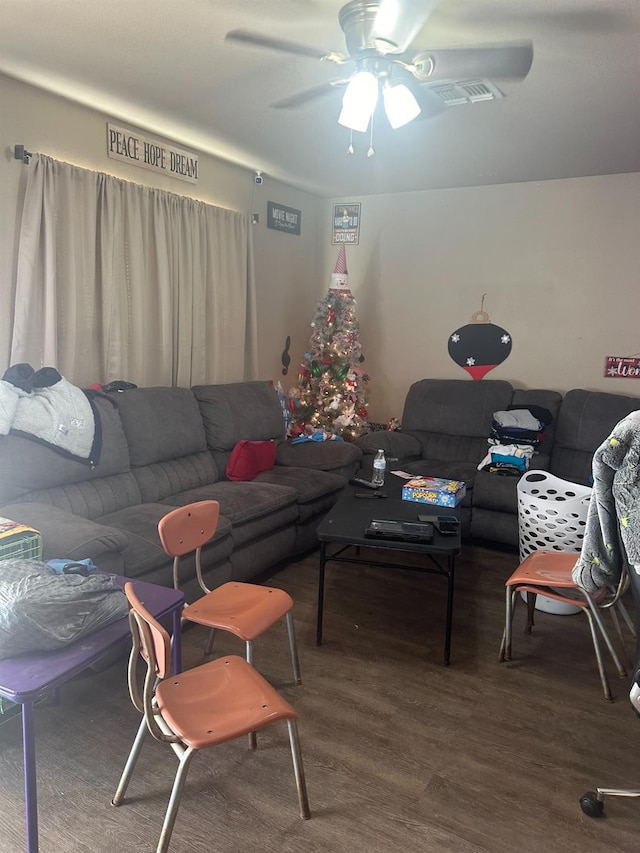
(21, 153)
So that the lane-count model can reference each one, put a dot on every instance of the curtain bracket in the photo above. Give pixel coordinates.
(21, 153)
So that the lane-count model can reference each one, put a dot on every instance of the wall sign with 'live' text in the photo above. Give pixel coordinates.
(132, 147)
(283, 218)
(617, 366)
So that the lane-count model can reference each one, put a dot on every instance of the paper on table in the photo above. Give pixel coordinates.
(403, 474)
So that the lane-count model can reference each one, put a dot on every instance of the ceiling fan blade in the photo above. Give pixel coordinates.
(455, 63)
(282, 45)
(398, 22)
(300, 98)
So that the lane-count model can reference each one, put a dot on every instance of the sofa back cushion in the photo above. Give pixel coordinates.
(160, 424)
(239, 410)
(452, 417)
(586, 419)
(31, 471)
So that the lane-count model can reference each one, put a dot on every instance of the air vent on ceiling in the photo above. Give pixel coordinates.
(466, 91)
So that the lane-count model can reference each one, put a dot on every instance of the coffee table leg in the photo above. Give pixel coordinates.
(451, 564)
(323, 556)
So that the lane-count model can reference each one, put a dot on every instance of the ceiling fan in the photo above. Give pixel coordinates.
(378, 36)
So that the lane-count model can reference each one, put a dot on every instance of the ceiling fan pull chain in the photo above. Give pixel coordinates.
(350, 148)
(371, 152)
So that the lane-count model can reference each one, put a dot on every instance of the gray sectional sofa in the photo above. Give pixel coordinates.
(445, 426)
(166, 447)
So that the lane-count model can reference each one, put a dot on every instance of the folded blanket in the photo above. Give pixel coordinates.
(521, 418)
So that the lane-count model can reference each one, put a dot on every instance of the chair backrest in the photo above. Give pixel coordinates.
(189, 527)
(185, 530)
(152, 644)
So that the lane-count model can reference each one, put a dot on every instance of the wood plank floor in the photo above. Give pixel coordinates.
(400, 752)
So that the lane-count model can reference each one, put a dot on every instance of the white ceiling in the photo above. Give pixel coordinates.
(165, 68)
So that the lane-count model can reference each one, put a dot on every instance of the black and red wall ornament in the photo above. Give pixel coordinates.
(479, 346)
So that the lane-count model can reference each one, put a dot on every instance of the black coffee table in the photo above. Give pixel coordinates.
(345, 526)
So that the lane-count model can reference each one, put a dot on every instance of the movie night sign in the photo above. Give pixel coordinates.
(126, 145)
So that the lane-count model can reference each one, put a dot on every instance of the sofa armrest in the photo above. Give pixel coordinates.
(67, 535)
(340, 457)
(397, 445)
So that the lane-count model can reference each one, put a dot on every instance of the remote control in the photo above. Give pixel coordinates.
(357, 481)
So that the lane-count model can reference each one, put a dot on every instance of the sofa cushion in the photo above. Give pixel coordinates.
(495, 492)
(316, 490)
(160, 424)
(144, 553)
(343, 457)
(65, 534)
(586, 419)
(254, 509)
(162, 479)
(240, 501)
(455, 406)
(239, 410)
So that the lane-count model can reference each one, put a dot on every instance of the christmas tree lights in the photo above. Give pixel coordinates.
(330, 396)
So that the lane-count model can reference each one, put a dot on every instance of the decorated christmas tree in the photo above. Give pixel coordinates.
(330, 397)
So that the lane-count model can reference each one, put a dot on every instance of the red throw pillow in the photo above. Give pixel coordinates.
(250, 458)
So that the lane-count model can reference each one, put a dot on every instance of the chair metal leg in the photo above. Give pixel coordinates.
(293, 648)
(531, 609)
(298, 770)
(505, 647)
(621, 642)
(129, 767)
(596, 647)
(210, 639)
(174, 800)
(619, 605)
(253, 738)
(594, 610)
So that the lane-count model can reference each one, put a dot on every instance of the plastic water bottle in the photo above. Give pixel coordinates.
(379, 468)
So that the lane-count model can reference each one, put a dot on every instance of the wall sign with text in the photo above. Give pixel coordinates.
(617, 367)
(282, 218)
(346, 223)
(132, 147)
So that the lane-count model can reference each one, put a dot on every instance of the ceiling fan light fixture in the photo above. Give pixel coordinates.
(359, 101)
(400, 104)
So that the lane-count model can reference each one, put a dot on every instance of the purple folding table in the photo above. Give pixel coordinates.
(27, 678)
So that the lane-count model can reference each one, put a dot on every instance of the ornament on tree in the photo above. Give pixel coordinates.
(479, 346)
(330, 397)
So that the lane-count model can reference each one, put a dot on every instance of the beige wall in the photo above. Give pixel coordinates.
(284, 263)
(559, 262)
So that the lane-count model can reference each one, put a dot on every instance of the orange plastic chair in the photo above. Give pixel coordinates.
(244, 609)
(548, 573)
(214, 703)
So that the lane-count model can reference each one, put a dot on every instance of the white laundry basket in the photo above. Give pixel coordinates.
(552, 515)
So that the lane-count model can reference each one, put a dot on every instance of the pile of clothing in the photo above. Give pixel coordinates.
(515, 435)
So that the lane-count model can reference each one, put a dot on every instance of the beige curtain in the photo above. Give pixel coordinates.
(121, 281)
